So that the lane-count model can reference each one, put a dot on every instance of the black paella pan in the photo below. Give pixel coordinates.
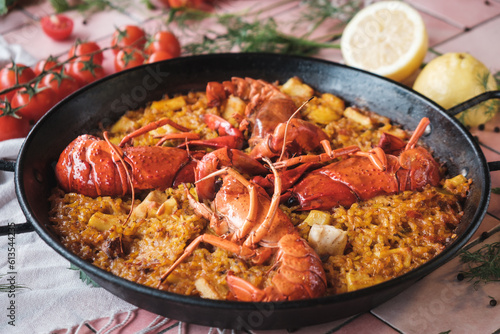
(103, 102)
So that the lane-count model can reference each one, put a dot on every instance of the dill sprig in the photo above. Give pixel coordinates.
(483, 265)
(256, 36)
(316, 12)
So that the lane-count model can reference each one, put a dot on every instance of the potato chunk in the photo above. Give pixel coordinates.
(327, 240)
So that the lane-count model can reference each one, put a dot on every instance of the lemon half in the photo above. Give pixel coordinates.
(388, 38)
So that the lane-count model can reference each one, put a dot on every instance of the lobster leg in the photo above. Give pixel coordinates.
(263, 229)
(150, 127)
(419, 131)
(230, 246)
(328, 155)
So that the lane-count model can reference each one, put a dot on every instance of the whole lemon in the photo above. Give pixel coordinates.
(456, 77)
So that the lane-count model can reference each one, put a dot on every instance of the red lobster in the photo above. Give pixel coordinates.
(95, 167)
(253, 226)
(365, 175)
(271, 113)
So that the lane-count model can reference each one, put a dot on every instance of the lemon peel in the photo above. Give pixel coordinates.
(455, 77)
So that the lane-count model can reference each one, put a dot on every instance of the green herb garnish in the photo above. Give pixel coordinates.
(483, 265)
(83, 276)
(8, 287)
(496, 190)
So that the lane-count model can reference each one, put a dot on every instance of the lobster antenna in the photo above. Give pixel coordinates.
(129, 178)
(286, 127)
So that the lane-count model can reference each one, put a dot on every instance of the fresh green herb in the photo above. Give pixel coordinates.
(249, 31)
(447, 332)
(83, 276)
(316, 12)
(7, 287)
(496, 190)
(257, 36)
(89, 6)
(483, 265)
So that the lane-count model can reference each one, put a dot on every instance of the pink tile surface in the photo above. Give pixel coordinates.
(463, 13)
(38, 8)
(438, 30)
(366, 323)
(481, 42)
(439, 303)
(13, 20)
(32, 38)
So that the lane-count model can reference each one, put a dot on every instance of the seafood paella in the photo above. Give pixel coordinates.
(255, 191)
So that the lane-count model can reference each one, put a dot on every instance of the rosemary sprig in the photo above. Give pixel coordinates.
(483, 265)
(496, 190)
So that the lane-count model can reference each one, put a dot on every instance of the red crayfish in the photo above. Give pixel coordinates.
(251, 225)
(390, 168)
(95, 167)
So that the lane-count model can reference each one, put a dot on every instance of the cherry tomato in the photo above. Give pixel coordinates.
(164, 41)
(11, 127)
(197, 4)
(159, 56)
(84, 51)
(46, 64)
(8, 78)
(84, 72)
(61, 84)
(57, 26)
(33, 102)
(132, 36)
(128, 58)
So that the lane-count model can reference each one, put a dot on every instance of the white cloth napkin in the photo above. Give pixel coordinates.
(55, 296)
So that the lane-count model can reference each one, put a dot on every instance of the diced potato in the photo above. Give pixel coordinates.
(328, 110)
(458, 185)
(175, 103)
(205, 289)
(295, 88)
(316, 217)
(234, 106)
(102, 222)
(124, 124)
(357, 116)
(327, 240)
(357, 280)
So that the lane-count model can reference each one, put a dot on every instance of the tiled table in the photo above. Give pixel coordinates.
(438, 303)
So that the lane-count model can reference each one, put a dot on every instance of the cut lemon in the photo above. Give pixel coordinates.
(388, 38)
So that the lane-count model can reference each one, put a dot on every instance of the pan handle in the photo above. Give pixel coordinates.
(494, 94)
(494, 166)
(7, 166)
(10, 229)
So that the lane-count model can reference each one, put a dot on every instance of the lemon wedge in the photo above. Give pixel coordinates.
(388, 38)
